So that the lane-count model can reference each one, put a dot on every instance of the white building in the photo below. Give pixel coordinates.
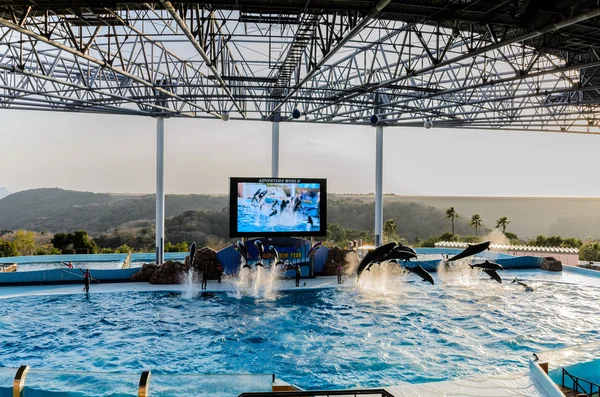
(568, 256)
(3, 192)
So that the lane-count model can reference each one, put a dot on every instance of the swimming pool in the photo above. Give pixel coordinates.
(328, 338)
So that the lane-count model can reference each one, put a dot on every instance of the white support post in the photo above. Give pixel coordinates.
(160, 189)
(275, 148)
(379, 185)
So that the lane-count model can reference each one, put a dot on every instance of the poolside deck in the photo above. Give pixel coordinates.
(213, 286)
(513, 384)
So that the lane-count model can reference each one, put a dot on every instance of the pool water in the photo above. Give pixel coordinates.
(329, 338)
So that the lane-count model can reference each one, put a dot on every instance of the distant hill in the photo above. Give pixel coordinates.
(57, 210)
(529, 216)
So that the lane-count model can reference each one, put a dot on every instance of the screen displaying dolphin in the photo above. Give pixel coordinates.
(269, 207)
(471, 250)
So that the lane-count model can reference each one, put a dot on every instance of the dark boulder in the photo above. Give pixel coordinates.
(172, 272)
(551, 264)
(145, 273)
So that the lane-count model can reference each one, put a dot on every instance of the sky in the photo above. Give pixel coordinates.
(116, 154)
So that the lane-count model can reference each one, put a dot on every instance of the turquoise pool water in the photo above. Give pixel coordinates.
(329, 338)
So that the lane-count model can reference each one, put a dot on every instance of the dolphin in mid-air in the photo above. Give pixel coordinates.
(488, 265)
(398, 254)
(405, 248)
(192, 253)
(260, 248)
(471, 250)
(310, 220)
(297, 205)
(241, 248)
(493, 274)
(419, 271)
(374, 256)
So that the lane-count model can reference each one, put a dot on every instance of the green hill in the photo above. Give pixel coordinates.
(57, 210)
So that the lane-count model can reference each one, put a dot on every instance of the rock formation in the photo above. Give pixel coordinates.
(551, 264)
(173, 272)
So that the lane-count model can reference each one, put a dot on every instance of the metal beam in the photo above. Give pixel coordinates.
(98, 62)
(476, 52)
(372, 14)
(183, 26)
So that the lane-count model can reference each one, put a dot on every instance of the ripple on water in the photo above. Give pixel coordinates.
(412, 332)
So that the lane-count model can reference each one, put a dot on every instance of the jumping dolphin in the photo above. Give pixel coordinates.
(527, 287)
(284, 203)
(273, 213)
(254, 198)
(405, 248)
(297, 205)
(274, 252)
(471, 250)
(241, 248)
(374, 256)
(310, 221)
(493, 274)
(259, 247)
(258, 197)
(192, 253)
(488, 265)
(398, 254)
(424, 274)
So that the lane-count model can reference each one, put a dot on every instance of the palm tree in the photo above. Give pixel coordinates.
(476, 222)
(502, 222)
(452, 215)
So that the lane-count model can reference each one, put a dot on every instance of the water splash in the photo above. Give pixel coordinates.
(258, 282)
(191, 289)
(458, 272)
(352, 262)
(384, 278)
(496, 237)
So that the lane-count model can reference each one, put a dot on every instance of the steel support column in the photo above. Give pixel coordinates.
(275, 148)
(379, 185)
(160, 189)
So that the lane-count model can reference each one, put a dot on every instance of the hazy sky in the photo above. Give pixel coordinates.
(117, 154)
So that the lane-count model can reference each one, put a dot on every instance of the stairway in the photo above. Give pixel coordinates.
(301, 40)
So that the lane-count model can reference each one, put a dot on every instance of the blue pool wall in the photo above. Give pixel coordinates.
(142, 257)
(228, 257)
(589, 371)
(65, 276)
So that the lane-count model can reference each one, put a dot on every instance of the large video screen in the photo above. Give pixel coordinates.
(277, 207)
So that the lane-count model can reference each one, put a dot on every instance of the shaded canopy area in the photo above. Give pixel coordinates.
(514, 64)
